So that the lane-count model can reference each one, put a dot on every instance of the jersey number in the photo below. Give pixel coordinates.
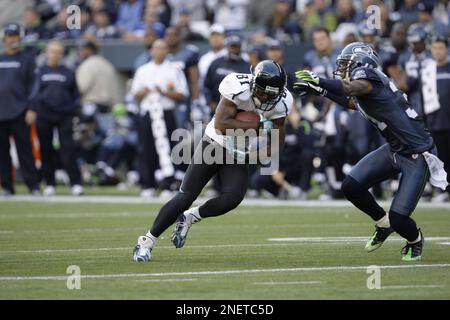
(243, 77)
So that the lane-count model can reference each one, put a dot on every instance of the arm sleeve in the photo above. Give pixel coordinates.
(33, 100)
(31, 76)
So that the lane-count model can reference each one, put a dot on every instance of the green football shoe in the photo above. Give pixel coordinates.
(413, 251)
(378, 238)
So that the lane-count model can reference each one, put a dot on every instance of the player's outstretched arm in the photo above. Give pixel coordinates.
(356, 87)
(224, 117)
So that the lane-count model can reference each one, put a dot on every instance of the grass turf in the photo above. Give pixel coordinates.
(43, 239)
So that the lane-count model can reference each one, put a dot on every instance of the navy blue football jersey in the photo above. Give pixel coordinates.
(389, 110)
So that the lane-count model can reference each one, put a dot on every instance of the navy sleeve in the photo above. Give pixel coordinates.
(30, 75)
(34, 99)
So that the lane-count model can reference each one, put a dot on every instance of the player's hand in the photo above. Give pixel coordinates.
(307, 83)
(308, 76)
(30, 117)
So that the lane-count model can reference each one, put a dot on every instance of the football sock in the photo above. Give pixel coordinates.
(152, 237)
(419, 238)
(362, 198)
(404, 226)
(383, 222)
(193, 211)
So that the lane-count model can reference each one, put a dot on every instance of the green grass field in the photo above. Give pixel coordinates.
(230, 257)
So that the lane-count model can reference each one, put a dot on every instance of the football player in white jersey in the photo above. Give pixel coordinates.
(264, 92)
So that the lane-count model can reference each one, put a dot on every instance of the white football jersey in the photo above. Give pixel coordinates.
(236, 88)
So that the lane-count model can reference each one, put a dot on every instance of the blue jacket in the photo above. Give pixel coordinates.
(17, 74)
(55, 92)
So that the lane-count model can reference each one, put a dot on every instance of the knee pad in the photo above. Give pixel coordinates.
(351, 187)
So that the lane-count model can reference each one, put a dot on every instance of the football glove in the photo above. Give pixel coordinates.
(307, 83)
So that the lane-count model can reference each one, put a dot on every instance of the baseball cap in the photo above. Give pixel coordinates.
(274, 44)
(216, 28)
(425, 6)
(233, 40)
(12, 29)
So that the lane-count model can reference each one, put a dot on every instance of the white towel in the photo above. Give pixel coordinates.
(438, 176)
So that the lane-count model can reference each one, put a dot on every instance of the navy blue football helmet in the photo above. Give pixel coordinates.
(355, 55)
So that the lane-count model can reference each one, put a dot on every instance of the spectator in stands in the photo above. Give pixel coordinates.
(55, 99)
(183, 22)
(16, 81)
(151, 34)
(201, 112)
(158, 97)
(160, 10)
(34, 30)
(387, 54)
(321, 60)
(97, 80)
(118, 147)
(433, 26)
(281, 26)
(129, 15)
(232, 14)
(414, 64)
(196, 7)
(102, 27)
(217, 49)
(346, 12)
(439, 120)
(60, 30)
(186, 58)
(274, 51)
(409, 12)
(256, 54)
(442, 11)
(221, 67)
(399, 40)
(317, 14)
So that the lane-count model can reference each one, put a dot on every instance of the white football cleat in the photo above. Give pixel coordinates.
(49, 191)
(143, 250)
(147, 193)
(184, 223)
(77, 190)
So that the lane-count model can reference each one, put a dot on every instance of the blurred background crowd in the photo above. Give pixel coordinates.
(95, 122)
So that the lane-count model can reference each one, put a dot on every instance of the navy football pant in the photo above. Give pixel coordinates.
(382, 164)
(232, 178)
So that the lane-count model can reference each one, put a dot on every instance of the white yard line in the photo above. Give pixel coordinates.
(414, 286)
(224, 272)
(345, 239)
(278, 243)
(250, 202)
(280, 283)
(167, 280)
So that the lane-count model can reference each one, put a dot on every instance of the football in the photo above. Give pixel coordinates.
(247, 116)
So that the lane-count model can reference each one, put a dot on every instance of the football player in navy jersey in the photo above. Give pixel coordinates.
(409, 151)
